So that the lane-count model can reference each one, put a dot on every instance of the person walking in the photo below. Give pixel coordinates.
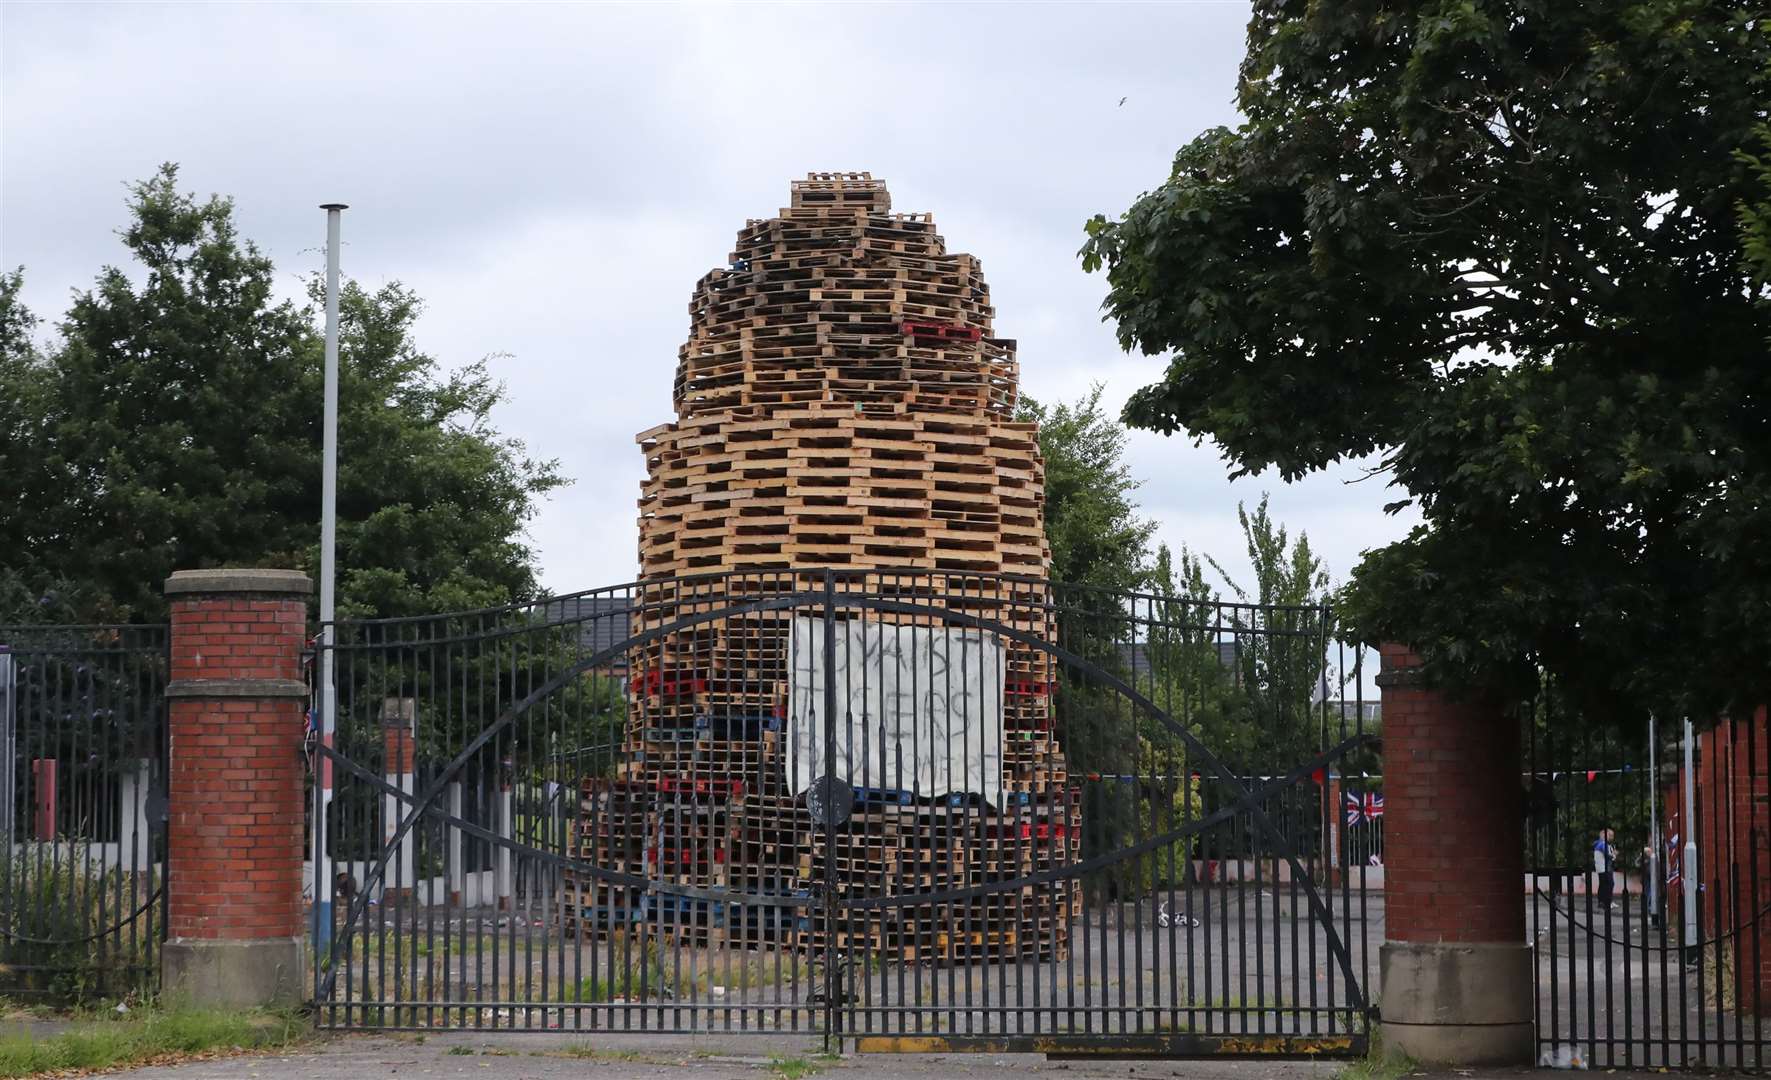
(1605, 866)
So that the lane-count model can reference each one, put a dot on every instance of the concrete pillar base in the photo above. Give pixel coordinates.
(1458, 1003)
(235, 974)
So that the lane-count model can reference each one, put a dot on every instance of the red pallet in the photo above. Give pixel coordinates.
(677, 785)
(655, 684)
(685, 856)
(942, 331)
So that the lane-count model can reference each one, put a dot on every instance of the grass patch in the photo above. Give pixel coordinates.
(796, 1068)
(748, 973)
(587, 1052)
(659, 974)
(410, 945)
(147, 1036)
(394, 944)
(1378, 1063)
(592, 1053)
(637, 975)
(630, 986)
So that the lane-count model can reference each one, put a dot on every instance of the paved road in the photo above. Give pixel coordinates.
(538, 1057)
(543, 1057)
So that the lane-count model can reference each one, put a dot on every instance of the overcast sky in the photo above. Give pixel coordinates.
(552, 179)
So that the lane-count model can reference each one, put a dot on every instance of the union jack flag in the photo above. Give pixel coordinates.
(1673, 859)
(1368, 807)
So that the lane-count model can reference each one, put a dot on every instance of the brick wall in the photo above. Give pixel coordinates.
(1453, 805)
(235, 796)
(1750, 786)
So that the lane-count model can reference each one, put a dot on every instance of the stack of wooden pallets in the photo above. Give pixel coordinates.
(822, 484)
(910, 848)
(842, 401)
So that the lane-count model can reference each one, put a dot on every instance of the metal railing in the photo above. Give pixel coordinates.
(82, 809)
(1649, 906)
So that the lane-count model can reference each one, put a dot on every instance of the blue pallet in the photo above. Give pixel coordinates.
(667, 908)
(669, 904)
(602, 913)
(882, 796)
(747, 726)
(668, 734)
(879, 796)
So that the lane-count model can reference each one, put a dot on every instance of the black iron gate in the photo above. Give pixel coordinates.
(82, 810)
(1649, 845)
(915, 810)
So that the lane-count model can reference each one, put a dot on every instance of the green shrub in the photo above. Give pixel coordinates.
(68, 932)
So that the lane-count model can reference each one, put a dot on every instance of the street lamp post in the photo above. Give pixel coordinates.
(328, 576)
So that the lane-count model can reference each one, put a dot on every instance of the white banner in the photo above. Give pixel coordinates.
(918, 708)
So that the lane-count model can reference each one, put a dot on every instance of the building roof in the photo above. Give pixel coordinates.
(604, 622)
(1136, 657)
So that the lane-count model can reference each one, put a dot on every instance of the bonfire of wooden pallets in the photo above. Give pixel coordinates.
(841, 402)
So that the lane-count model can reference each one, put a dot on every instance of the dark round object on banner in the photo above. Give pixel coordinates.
(831, 801)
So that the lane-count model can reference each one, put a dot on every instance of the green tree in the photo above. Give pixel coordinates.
(1099, 550)
(1754, 212)
(1189, 681)
(1246, 674)
(180, 408)
(1500, 243)
(183, 406)
(1189, 676)
(22, 410)
(27, 469)
(1100, 546)
(1185, 624)
(1280, 643)
(1091, 515)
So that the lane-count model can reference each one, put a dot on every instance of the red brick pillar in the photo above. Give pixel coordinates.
(399, 755)
(1456, 969)
(234, 914)
(43, 772)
